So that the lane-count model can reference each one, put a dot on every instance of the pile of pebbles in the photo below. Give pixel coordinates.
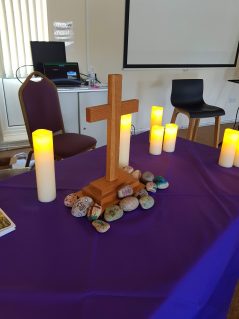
(85, 206)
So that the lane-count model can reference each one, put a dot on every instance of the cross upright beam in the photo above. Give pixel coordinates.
(112, 113)
(104, 190)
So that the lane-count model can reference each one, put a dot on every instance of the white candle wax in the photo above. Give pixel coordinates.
(236, 158)
(170, 137)
(44, 165)
(125, 131)
(156, 140)
(228, 149)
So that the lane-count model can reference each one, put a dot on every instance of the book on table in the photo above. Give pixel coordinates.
(6, 224)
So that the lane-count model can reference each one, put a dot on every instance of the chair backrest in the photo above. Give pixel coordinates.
(40, 104)
(187, 92)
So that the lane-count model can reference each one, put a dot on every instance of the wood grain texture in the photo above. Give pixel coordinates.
(104, 190)
(112, 113)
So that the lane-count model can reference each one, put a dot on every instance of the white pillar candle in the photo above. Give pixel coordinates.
(236, 158)
(125, 132)
(228, 149)
(156, 139)
(44, 165)
(156, 116)
(170, 136)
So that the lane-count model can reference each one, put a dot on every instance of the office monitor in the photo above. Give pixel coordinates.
(47, 52)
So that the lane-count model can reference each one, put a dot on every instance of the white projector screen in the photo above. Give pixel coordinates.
(181, 33)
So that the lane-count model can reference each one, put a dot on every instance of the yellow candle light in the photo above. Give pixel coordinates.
(156, 139)
(228, 150)
(156, 117)
(125, 130)
(44, 165)
(170, 137)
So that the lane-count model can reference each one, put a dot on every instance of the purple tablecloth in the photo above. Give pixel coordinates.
(177, 260)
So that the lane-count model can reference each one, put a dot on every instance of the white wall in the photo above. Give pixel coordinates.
(99, 35)
(71, 10)
(99, 39)
(105, 42)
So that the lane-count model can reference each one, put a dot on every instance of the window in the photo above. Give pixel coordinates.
(20, 22)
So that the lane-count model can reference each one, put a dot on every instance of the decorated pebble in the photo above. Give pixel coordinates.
(147, 177)
(112, 213)
(101, 226)
(146, 202)
(151, 187)
(128, 169)
(136, 174)
(79, 209)
(70, 199)
(94, 211)
(140, 193)
(125, 191)
(129, 203)
(161, 182)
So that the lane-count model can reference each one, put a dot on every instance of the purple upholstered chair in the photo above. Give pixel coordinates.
(41, 110)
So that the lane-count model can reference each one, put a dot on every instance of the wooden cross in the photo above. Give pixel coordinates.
(112, 113)
(104, 190)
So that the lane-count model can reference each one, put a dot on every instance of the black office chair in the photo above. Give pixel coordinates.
(187, 98)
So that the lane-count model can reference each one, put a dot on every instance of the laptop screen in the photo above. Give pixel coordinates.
(47, 52)
(68, 70)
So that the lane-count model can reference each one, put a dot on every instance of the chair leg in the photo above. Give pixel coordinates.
(174, 116)
(217, 131)
(29, 156)
(195, 129)
(190, 129)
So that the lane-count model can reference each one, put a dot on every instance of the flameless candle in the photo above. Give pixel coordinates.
(44, 165)
(170, 137)
(156, 117)
(236, 158)
(228, 149)
(156, 139)
(125, 130)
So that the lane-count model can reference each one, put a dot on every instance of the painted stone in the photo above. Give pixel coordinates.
(161, 182)
(136, 174)
(146, 202)
(94, 211)
(112, 213)
(129, 203)
(79, 209)
(70, 199)
(125, 191)
(147, 177)
(151, 187)
(140, 193)
(128, 169)
(101, 226)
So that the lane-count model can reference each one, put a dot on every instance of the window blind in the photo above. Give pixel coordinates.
(20, 22)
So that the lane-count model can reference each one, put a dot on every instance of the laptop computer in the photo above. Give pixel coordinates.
(63, 74)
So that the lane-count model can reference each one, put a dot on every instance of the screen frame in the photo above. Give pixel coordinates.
(127, 65)
(48, 47)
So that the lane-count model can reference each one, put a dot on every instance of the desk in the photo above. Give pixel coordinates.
(74, 101)
(178, 260)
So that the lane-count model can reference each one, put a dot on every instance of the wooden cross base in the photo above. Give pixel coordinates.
(105, 192)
